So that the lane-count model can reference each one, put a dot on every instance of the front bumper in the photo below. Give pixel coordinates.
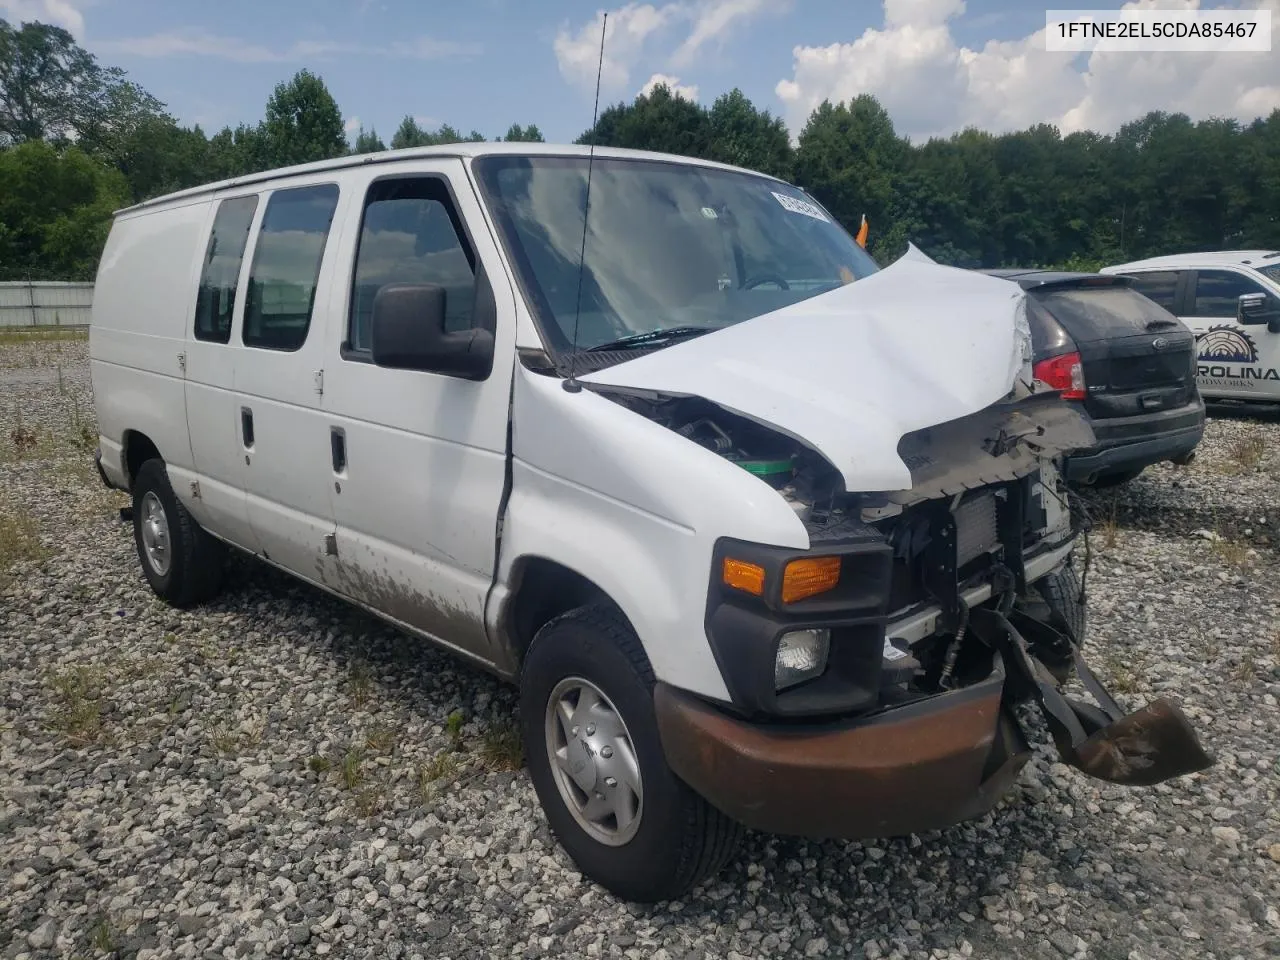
(919, 766)
(1132, 443)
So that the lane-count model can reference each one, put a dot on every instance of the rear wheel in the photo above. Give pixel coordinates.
(596, 760)
(181, 562)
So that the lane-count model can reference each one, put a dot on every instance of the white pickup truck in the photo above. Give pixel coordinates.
(766, 535)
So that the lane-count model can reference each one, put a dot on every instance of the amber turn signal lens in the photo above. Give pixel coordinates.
(809, 577)
(744, 576)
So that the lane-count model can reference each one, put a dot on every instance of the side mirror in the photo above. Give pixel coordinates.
(408, 334)
(1251, 308)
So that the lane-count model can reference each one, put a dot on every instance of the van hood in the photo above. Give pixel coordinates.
(851, 371)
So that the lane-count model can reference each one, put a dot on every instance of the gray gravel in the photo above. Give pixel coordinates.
(277, 775)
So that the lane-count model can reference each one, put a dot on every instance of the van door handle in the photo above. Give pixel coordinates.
(246, 427)
(338, 448)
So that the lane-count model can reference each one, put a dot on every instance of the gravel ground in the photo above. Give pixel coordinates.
(277, 775)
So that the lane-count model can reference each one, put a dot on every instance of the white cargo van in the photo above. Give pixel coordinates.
(766, 535)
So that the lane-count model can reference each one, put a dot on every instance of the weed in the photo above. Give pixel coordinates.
(360, 682)
(453, 727)
(367, 801)
(501, 747)
(225, 741)
(102, 936)
(1246, 452)
(19, 541)
(1233, 553)
(77, 712)
(381, 739)
(1245, 671)
(351, 771)
(1110, 528)
(1123, 678)
(442, 769)
(319, 764)
(24, 440)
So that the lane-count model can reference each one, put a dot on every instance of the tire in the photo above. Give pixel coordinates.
(1061, 591)
(679, 839)
(1107, 480)
(188, 568)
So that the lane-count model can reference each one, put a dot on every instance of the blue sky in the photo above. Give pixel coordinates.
(938, 65)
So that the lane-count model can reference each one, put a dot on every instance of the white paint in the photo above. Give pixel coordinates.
(594, 487)
(1247, 376)
(850, 371)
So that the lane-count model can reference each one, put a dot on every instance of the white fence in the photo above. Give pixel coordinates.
(45, 303)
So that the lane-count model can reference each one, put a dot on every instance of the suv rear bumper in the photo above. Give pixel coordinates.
(920, 766)
(1131, 443)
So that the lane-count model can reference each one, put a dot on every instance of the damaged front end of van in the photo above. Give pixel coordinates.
(885, 679)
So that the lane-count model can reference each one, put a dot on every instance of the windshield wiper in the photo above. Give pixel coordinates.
(651, 337)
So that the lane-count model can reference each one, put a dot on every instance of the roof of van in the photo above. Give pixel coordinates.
(1218, 258)
(454, 150)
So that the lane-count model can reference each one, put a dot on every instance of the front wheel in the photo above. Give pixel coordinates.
(182, 563)
(596, 760)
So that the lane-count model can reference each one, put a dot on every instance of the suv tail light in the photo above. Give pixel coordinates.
(1064, 373)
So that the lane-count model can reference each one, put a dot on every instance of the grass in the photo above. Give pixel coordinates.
(442, 770)
(1245, 672)
(381, 739)
(1110, 528)
(501, 747)
(1245, 453)
(102, 937)
(77, 709)
(360, 683)
(224, 740)
(453, 727)
(319, 764)
(1123, 678)
(18, 335)
(19, 541)
(1233, 553)
(367, 801)
(351, 770)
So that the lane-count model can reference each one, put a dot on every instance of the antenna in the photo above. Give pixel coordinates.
(571, 384)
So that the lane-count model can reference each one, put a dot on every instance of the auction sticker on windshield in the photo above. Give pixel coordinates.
(795, 205)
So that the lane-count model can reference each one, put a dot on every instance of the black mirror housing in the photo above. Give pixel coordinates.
(408, 334)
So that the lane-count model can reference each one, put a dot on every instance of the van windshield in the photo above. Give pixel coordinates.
(673, 250)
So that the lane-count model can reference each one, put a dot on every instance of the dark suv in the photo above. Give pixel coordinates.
(1129, 362)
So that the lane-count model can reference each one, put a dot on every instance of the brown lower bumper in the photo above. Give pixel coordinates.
(917, 767)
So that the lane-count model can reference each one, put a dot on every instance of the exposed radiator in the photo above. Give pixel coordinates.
(975, 527)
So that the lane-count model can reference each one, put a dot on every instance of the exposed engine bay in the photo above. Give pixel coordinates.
(985, 505)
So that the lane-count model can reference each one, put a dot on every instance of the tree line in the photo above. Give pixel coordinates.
(79, 140)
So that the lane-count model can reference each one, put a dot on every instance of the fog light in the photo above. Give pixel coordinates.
(802, 655)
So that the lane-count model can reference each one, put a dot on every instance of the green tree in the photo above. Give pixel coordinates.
(529, 134)
(746, 137)
(657, 121)
(368, 141)
(410, 134)
(851, 159)
(53, 89)
(55, 211)
(303, 123)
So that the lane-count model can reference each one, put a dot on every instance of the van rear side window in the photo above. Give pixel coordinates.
(286, 266)
(411, 233)
(216, 298)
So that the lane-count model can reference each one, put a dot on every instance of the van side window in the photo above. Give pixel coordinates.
(286, 266)
(1218, 293)
(410, 232)
(216, 297)
(1160, 286)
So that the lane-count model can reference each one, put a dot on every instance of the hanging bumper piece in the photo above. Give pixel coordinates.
(1145, 747)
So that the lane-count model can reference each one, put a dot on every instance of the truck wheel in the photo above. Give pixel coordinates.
(1061, 591)
(182, 563)
(596, 759)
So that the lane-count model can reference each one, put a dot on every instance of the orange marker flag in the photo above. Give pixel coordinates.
(862, 233)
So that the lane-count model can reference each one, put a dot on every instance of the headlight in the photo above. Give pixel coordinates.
(802, 655)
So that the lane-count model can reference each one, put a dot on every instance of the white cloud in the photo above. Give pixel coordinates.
(633, 33)
(202, 43)
(716, 18)
(931, 85)
(352, 125)
(59, 13)
(687, 91)
(628, 30)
